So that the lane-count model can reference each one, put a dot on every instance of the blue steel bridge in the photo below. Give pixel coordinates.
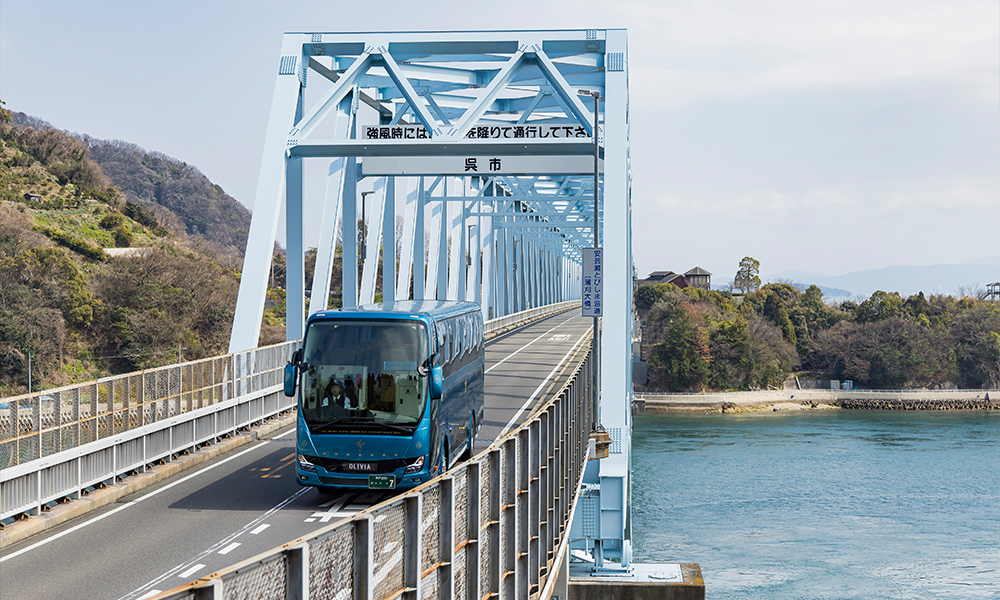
(474, 166)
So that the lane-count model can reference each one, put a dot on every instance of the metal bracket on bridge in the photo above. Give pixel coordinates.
(599, 445)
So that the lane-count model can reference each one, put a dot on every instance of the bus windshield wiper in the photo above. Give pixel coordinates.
(348, 419)
(395, 427)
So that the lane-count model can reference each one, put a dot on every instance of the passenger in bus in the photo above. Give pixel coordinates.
(385, 393)
(351, 392)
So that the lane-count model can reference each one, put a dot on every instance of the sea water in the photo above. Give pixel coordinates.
(822, 503)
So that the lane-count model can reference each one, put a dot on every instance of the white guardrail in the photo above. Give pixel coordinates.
(495, 327)
(57, 443)
(494, 526)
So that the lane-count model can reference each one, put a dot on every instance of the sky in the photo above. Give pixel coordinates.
(824, 137)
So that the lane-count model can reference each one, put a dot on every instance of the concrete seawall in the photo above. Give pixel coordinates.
(776, 400)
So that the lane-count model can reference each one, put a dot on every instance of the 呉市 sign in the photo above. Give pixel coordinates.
(477, 165)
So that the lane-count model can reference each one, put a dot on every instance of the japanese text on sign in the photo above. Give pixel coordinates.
(488, 132)
(593, 282)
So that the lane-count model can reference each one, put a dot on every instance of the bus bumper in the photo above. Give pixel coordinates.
(324, 479)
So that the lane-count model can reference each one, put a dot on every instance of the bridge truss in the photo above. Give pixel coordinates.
(463, 164)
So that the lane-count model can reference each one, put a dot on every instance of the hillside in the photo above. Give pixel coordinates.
(178, 191)
(181, 197)
(696, 340)
(75, 311)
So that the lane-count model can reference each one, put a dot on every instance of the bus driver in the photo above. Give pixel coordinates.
(335, 395)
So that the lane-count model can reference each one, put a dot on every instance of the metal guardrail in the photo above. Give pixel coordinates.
(495, 327)
(55, 444)
(494, 526)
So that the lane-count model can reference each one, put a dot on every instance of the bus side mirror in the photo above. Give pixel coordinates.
(290, 379)
(436, 382)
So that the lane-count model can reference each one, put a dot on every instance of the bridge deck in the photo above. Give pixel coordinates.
(247, 502)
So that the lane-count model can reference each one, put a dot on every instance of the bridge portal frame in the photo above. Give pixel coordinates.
(510, 240)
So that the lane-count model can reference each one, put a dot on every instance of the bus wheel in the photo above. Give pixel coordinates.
(472, 438)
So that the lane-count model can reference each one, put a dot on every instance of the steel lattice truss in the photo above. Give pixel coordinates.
(482, 144)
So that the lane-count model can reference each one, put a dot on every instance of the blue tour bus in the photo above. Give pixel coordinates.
(390, 395)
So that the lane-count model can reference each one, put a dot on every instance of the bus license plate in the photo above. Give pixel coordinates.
(381, 482)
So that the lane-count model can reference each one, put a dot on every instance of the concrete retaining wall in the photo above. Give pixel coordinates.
(848, 399)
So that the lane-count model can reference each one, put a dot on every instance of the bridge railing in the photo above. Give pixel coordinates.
(500, 325)
(56, 443)
(494, 526)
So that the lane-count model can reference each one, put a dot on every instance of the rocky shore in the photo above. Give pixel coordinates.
(780, 400)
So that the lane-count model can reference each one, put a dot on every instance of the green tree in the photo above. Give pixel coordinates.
(680, 362)
(747, 275)
(123, 236)
(775, 310)
(729, 344)
(649, 294)
(881, 305)
(112, 220)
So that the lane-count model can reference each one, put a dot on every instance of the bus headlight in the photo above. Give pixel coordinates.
(305, 465)
(415, 467)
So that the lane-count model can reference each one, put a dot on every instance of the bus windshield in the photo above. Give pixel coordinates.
(362, 376)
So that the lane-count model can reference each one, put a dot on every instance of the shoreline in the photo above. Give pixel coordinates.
(812, 399)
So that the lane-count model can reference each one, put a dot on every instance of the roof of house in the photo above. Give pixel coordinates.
(697, 271)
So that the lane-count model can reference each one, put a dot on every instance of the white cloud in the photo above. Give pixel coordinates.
(691, 50)
(958, 195)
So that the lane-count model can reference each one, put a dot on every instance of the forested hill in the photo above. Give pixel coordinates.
(152, 178)
(98, 278)
(696, 340)
(182, 197)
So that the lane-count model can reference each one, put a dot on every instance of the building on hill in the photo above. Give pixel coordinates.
(666, 277)
(993, 291)
(696, 277)
(699, 278)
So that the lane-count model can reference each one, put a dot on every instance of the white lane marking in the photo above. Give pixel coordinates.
(230, 548)
(217, 546)
(136, 501)
(260, 528)
(148, 594)
(194, 569)
(531, 401)
(511, 355)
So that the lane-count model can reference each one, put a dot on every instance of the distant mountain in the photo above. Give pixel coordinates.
(933, 279)
(989, 260)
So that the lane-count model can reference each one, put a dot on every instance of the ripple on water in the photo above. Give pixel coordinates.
(822, 505)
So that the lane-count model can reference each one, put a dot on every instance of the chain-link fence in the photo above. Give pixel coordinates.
(55, 443)
(493, 526)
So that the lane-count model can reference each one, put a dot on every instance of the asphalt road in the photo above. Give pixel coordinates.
(247, 502)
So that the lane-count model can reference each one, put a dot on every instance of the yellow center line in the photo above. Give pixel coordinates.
(274, 474)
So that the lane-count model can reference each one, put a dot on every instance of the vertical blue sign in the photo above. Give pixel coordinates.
(593, 282)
